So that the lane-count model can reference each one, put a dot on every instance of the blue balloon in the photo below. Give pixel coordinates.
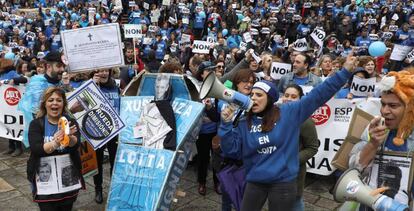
(225, 32)
(9, 55)
(61, 4)
(53, 11)
(240, 17)
(377, 48)
(1, 47)
(29, 20)
(97, 16)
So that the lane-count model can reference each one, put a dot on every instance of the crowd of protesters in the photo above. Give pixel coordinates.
(30, 30)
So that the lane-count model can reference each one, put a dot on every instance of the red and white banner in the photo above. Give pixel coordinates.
(11, 120)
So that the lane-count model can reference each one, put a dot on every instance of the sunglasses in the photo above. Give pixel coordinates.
(220, 66)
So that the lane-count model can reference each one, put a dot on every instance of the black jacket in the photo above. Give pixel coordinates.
(36, 141)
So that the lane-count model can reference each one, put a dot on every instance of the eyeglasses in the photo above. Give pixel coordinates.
(220, 66)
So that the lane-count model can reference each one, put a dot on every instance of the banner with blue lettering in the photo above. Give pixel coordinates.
(155, 189)
(97, 119)
(138, 177)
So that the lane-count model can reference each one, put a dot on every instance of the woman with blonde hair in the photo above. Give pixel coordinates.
(46, 143)
(324, 66)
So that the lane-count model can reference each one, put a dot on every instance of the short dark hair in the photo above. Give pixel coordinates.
(297, 87)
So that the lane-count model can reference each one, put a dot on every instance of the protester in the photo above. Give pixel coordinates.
(112, 92)
(242, 82)
(270, 155)
(45, 138)
(392, 131)
(308, 143)
(8, 75)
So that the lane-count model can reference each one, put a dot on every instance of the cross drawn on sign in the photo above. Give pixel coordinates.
(90, 37)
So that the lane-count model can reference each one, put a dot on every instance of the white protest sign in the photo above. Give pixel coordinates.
(185, 20)
(286, 43)
(200, 46)
(307, 5)
(210, 40)
(132, 3)
(387, 35)
(410, 56)
(393, 28)
(185, 41)
(372, 21)
(279, 69)
(247, 37)
(152, 28)
(300, 45)
(363, 87)
(94, 47)
(11, 120)
(373, 37)
(98, 120)
(132, 30)
(146, 6)
(400, 52)
(318, 35)
(243, 46)
(166, 2)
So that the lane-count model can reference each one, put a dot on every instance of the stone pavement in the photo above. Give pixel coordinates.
(15, 194)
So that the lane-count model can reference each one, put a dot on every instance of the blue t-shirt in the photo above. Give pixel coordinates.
(300, 81)
(50, 130)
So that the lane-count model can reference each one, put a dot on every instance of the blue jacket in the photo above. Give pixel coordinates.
(273, 156)
(112, 93)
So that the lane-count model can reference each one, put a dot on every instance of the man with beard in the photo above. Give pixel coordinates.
(130, 69)
(300, 74)
(30, 101)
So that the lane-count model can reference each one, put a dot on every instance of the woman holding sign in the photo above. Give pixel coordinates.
(267, 140)
(48, 149)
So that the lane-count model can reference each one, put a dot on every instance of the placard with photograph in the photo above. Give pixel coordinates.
(396, 172)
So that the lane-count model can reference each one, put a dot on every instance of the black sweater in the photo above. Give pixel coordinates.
(36, 141)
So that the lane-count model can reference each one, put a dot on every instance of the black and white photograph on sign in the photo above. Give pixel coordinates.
(45, 171)
(82, 104)
(394, 171)
(68, 177)
(46, 178)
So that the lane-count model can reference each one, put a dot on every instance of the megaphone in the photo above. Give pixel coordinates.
(212, 87)
(351, 188)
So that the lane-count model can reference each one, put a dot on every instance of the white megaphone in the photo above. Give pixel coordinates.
(212, 87)
(351, 188)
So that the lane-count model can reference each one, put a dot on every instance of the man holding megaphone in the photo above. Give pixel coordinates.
(267, 140)
(393, 131)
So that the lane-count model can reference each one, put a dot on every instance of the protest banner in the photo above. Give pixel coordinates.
(185, 41)
(132, 31)
(88, 159)
(201, 47)
(335, 116)
(410, 56)
(399, 52)
(98, 121)
(300, 45)
(11, 120)
(318, 35)
(93, 47)
(279, 69)
(146, 178)
(363, 87)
